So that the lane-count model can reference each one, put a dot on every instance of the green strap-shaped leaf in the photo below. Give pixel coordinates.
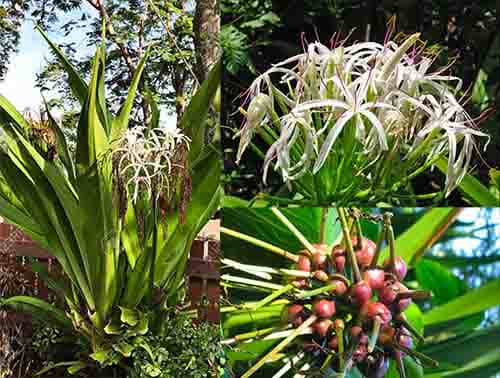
(477, 193)
(205, 199)
(76, 82)
(38, 307)
(130, 235)
(194, 118)
(473, 302)
(62, 146)
(120, 123)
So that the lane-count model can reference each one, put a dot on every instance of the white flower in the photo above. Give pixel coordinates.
(145, 157)
(384, 92)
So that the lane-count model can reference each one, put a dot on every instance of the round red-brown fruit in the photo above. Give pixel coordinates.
(324, 308)
(386, 335)
(400, 267)
(360, 353)
(333, 343)
(387, 294)
(300, 283)
(364, 256)
(304, 263)
(356, 331)
(320, 258)
(361, 293)
(340, 287)
(321, 275)
(322, 327)
(294, 314)
(372, 310)
(374, 277)
(405, 340)
(338, 258)
(310, 346)
(338, 324)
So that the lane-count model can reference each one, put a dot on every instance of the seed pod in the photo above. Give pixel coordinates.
(324, 308)
(389, 294)
(338, 258)
(320, 258)
(322, 327)
(359, 354)
(386, 335)
(340, 287)
(400, 267)
(360, 293)
(321, 275)
(372, 310)
(374, 278)
(334, 343)
(356, 332)
(304, 263)
(364, 256)
(300, 283)
(294, 314)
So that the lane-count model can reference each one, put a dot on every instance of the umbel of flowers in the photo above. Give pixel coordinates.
(343, 306)
(357, 123)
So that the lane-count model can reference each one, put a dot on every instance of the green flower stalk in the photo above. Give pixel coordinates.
(356, 122)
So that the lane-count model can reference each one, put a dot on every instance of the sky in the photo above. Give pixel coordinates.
(33, 52)
(19, 84)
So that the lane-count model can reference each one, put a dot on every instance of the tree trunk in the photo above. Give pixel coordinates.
(206, 26)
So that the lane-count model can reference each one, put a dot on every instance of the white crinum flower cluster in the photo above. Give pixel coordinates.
(384, 91)
(145, 158)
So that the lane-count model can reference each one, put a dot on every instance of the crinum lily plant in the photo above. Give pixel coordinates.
(119, 215)
(357, 123)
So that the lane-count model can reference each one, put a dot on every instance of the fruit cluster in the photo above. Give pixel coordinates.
(359, 322)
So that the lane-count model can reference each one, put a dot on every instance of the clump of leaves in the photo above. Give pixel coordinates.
(184, 349)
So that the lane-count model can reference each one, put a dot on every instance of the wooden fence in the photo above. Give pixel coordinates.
(202, 274)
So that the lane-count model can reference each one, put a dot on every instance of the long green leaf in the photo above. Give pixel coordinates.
(194, 118)
(38, 307)
(475, 191)
(120, 123)
(130, 235)
(76, 83)
(474, 301)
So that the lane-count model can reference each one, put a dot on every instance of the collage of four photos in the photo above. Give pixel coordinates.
(235, 189)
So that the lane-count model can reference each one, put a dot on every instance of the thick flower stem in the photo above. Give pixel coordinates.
(375, 332)
(347, 239)
(414, 294)
(248, 281)
(322, 228)
(410, 328)
(339, 330)
(422, 357)
(293, 230)
(391, 241)
(381, 237)
(260, 243)
(272, 297)
(312, 293)
(279, 347)
(399, 364)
